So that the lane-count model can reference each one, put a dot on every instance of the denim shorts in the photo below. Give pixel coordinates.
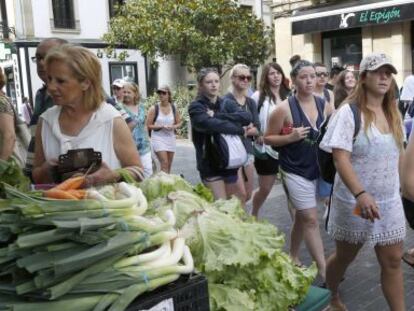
(228, 179)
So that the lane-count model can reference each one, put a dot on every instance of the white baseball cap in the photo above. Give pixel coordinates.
(374, 61)
(119, 83)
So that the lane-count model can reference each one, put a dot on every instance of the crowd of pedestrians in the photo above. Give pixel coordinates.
(363, 204)
(268, 134)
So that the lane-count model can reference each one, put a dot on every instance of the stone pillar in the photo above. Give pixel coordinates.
(286, 44)
(402, 58)
(367, 40)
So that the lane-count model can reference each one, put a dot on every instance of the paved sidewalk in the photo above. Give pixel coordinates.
(361, 289)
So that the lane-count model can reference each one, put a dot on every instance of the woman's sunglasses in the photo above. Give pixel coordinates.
(162, 92)
(243, 77)
(322, 74)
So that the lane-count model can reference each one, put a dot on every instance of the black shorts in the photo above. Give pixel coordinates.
(269, 166)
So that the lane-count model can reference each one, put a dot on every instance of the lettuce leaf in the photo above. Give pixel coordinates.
(183, 204)
(223, 297)
(161, 184)
(223, 240)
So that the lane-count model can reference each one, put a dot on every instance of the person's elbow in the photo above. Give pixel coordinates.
(407, 188)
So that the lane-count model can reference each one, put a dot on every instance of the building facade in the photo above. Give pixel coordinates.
(79, 22)
(343, 32)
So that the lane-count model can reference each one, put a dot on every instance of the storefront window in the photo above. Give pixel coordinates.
(343, 48)
(125, 71)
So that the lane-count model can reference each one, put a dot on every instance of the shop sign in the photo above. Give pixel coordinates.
(380, 16)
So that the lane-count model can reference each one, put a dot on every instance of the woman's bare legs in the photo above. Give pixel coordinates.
(170, 157)
(237, 189)
(163, 159)
(306, 226)
(389, 258)
(265, 186)
(248, 184)
(218, 188)
(336, 266)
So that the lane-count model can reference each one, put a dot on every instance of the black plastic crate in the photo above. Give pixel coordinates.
(189, 293)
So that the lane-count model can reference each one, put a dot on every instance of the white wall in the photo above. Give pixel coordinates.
(92, 16)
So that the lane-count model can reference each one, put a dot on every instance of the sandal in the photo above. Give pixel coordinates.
(340, 307)
(407, 257)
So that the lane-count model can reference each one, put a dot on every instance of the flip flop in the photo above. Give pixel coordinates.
(408, 262)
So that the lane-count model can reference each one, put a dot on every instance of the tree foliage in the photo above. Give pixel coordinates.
(202, 32)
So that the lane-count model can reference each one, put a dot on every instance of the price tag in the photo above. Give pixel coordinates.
(165, 305)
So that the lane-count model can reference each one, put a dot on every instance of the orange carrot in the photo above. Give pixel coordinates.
(55, 193)
(71, 183)
(78, 193)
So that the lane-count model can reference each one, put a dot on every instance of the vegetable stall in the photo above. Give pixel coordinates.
(103, 248)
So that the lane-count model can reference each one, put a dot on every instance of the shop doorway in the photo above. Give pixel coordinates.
(342, 48)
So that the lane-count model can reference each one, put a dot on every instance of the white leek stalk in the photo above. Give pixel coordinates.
(143, 258)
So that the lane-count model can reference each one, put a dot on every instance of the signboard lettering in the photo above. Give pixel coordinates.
(386, 15)
(379, 17)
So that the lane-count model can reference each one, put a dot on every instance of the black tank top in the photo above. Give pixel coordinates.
(300, 157)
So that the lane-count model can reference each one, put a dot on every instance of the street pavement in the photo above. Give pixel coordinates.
(361, 289)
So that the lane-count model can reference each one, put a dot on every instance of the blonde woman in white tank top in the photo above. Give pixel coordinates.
(162, 128)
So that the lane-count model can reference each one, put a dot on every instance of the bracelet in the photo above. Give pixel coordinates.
(359, 193)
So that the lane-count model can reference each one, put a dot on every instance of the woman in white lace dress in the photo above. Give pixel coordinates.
(368, 181)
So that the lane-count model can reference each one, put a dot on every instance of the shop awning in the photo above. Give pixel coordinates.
(357, 14)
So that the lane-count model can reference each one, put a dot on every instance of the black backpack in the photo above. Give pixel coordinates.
(326, 164)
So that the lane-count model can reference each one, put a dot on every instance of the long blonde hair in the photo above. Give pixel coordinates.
(389, 106)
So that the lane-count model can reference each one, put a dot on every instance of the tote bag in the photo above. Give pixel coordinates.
(225, 151)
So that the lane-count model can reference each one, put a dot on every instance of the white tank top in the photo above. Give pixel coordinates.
(97, 134)
(164, 119)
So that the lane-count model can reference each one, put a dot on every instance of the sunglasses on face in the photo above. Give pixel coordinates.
(162, 92)
(322, 74)
(116, 88)
(243, 77)
(37, 59)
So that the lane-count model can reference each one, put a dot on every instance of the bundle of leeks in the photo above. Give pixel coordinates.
(92, 254)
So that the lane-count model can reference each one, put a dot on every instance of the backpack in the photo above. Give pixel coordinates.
(327, 95)
(156, 113)
(326, 165)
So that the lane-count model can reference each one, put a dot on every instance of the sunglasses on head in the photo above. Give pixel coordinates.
(322, 74)
(243, 77)
(161, 92)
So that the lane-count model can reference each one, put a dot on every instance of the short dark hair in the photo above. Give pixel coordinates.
(336, 70)
(294, 59)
